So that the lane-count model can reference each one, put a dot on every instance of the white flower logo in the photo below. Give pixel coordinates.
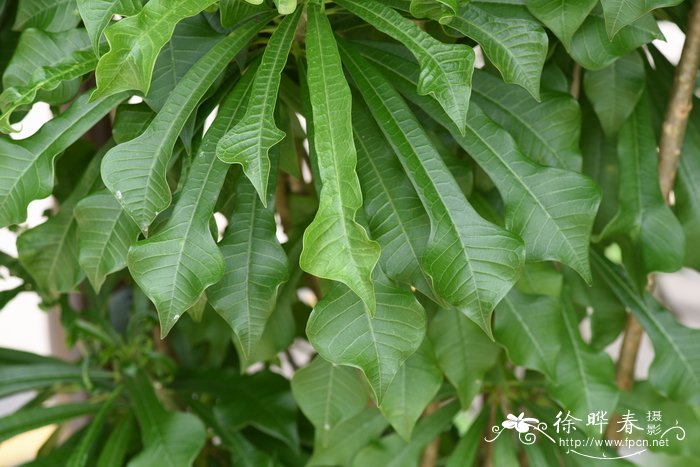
(521, 424)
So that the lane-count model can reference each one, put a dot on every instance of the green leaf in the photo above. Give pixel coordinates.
(49, 252)
(395, 215)
(135, 172)
(170, 439)
(440, 10)
(348, 438)
(643, 216)
(471, 262)
(255, 267)
(552, 209)
(675, 371)
(585, 379)
(463, 352)
(592, 48)
(392, 451)
(343, 333)
(135, 42)
(234, 11)
(328, 395)
(33, 77)
(286, 7)
(563, 17)
(418, 381)
(80, 456)
(130, 121)
(518, 328)
(28, 419)
(26, 168)
(335, 246)
(176, 265)
(264, 401)
(105, 231)
(517, 47)
(466, 450)
(251, 138)
(546, 132)
(97, 14)
(24, 377)
(446, 69)
(615, 90)
(117, 444)
(47, 15)
(620, 13)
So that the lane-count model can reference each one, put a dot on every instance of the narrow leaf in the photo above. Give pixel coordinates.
(250, 139)
(135, 172)
(36, 417)
(328, 394)
(81, 455)
(135, 42)
(177, 264)
(97, 14)
(343, 333)
(471, 262)
(25, 377)
(446, 69)
(517, 47)
(335, 246)
(117, 444)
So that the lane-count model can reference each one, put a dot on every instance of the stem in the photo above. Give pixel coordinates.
(575, 89)
(432, 450)
(672, 134)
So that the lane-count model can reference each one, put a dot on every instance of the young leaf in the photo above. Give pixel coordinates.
(105, 231)
(395, 215)
(97, 14)
(517, 47)
(135, 172)
(518, 327)
(135, 42)
(615, 90)
(250, 139)
(47, 15)
(584, 378)
(463, 352)
(446, 69)
(343, 333)
(49, 252)
(592, 48)
(563, 17)
(413, 388)
(471, 262)
(546, 132)
(675, 371)
(170, 439)
(176, 265)
(328, 395)
(335, 246)
(620, 13)
(643, 216)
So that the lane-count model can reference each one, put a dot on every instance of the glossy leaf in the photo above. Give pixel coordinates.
(620, 13)
(171, 439)
(343, 333)
(335, 246)
(563, 17)
(135, 172)
(675, 371)
(519, 328)
(328, 395)
(418, 381)
(615, 90)
(176, 265)
(248, 142)
(97, 14)
(47, 15)
(584, 378)
(135, 42)
(643, 216)
(471, 262)
(463, 352)
(517, 47)
(446, 69)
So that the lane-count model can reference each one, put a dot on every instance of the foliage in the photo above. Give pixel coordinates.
(437, 195)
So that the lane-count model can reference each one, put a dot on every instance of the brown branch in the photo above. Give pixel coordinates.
(575, 89)
(672, 134)
(432, 450)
